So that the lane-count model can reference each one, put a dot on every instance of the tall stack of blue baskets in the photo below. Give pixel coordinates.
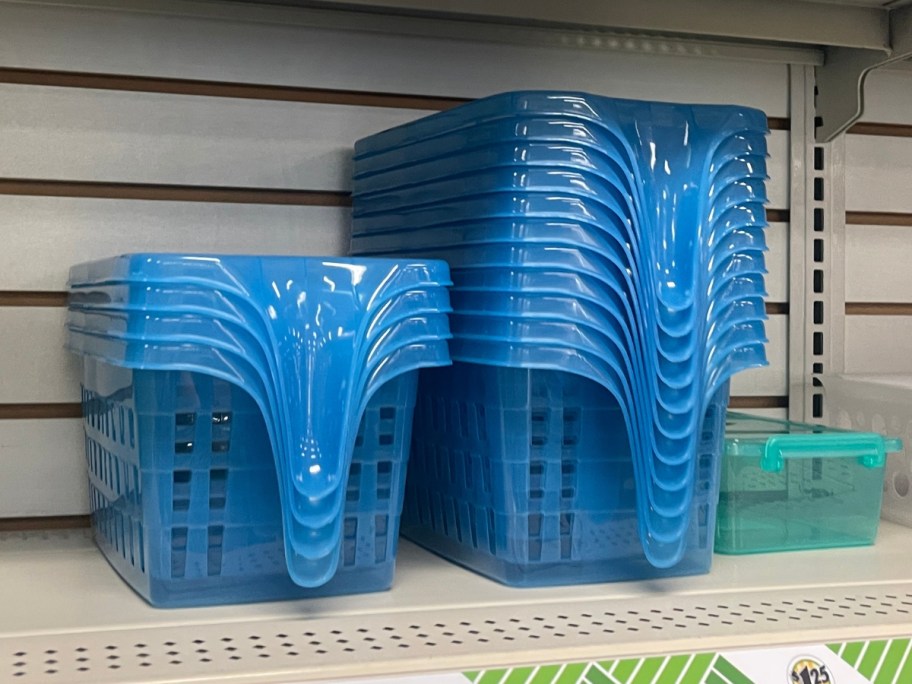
(248, 419)
(607, 260)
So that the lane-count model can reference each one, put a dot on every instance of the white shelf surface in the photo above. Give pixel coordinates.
(62, 608)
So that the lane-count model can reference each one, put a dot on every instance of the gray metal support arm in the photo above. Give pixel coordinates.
(840, 81)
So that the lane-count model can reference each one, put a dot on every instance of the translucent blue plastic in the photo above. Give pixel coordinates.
(184, 495)
(298, 335)
(526, 476)
(652, 212)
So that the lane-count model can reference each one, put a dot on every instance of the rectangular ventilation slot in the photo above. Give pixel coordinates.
(486, 474)
(571, 426)
(178, 552)
(456, 517)
(568, 474)
(214, 554)
(818, 250)
(132, 541)
(818, 313)
(482, 427)
(818, 189)
(122, 534)
(492, 539)
(467, 464)
(353, 489)
(539, 427)
(566, 535)
(349, 547)
(817, 368)
(817, 406)
(384, 480)
(381, 541)
(387, 413)
(455, 456)
(180, 494)
(818, 344)
(818, 281)
(142, 547)
(218, 488)
(818, 159)
(184, 432)
(473, 527)
(463, 419)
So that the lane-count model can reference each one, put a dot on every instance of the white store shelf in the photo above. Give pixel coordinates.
(60, 602)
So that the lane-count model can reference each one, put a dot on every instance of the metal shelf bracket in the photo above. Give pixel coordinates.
(841, 79)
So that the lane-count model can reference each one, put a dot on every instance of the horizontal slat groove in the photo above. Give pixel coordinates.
(878, 308)
(34, 298)
(778, 123)
(882, 129)
(39, 411)
(195, 193)
(758, 402)
(178, 86)
(74, 410)
(777, 308)
(247, 91)
(878, 218)
(51, 522)
(173, 193)
(777, 215)
(26, 298)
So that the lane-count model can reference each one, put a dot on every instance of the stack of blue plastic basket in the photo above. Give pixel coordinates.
(607, 259)
(248, 418)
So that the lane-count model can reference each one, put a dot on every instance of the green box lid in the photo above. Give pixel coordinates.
(773, 441)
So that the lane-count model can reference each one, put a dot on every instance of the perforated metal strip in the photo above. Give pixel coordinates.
(454, 639)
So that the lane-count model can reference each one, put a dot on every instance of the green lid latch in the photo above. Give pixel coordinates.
(870, 449)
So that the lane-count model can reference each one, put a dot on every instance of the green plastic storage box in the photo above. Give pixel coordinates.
(787, 486)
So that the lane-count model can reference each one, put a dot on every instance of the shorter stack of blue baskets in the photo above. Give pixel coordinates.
(248, 419)
(607, 259)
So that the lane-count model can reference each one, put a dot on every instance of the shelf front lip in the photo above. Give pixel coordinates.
(770, 600)
(781, 21)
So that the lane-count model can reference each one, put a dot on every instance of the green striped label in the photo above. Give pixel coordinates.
(859, 662)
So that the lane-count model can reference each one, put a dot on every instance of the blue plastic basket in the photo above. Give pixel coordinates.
(526, 476)
(184, 493)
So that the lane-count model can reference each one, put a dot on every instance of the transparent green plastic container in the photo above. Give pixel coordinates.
(787, 486)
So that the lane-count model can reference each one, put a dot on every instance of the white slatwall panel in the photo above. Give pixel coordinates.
(67, 230)
(95, 135)
(878, 173)
(43, 468)
(888, 96)
(267, 45)
(878, 344)
(44, 236)
(878, 258)
(35, 366)
(69, 134)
